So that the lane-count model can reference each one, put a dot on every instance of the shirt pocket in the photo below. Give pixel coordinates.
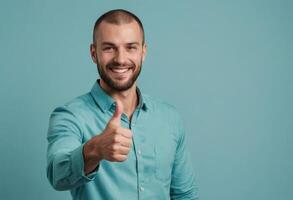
(164, 160)
(149, 160)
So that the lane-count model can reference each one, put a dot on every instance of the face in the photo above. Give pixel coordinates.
(118, 53)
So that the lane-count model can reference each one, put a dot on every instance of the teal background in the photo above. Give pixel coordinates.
(226, 65)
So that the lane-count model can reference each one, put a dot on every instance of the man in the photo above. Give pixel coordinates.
(115, 142)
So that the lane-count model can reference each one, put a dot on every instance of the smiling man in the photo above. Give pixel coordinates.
(116, 142)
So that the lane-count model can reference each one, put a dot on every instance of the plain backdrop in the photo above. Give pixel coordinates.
(226, 66)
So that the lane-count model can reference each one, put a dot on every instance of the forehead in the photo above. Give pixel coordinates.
(119, 33)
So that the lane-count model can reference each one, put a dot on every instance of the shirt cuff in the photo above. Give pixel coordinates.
(77, 166)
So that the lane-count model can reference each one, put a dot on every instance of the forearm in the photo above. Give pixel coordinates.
(91, 155)
(65, 169)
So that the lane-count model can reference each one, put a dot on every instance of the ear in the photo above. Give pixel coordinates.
(93, 52)
(144, 51)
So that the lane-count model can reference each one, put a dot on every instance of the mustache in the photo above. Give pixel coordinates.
(114, 65)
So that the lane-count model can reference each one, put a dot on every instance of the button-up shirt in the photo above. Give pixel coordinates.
(158, 165)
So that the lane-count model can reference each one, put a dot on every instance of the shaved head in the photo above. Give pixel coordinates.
(117, 17)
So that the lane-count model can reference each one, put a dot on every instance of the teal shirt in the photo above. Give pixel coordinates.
(158, 165)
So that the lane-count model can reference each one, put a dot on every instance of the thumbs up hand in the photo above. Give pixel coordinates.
(116, 141)
(115, 120)
(113, 144)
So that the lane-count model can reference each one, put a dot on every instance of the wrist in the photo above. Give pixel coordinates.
(91, 155)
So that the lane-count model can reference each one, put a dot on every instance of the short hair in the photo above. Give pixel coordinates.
(118, 16)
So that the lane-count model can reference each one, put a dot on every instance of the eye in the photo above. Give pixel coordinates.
(108, 49)
(132, 48)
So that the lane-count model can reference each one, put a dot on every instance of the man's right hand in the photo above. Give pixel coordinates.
(113, 144)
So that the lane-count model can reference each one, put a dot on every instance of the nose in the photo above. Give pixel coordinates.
(120, 56)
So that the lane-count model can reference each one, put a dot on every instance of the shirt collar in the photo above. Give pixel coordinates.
(105, 101)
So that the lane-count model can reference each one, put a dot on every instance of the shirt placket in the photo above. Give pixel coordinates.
(137, 144)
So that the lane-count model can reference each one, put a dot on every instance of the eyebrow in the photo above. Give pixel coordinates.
(112, 44)
(108, 43)
(133, 43)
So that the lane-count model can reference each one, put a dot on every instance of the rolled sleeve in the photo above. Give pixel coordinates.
(77, 165)
(65, 168)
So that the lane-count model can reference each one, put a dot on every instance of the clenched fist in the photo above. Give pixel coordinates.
(113, 144)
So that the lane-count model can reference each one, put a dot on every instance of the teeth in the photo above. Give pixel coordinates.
(120, 70)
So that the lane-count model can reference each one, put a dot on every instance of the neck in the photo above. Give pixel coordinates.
(129, 98)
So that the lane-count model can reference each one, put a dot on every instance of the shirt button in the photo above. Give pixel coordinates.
(139, 152)
(141, 189)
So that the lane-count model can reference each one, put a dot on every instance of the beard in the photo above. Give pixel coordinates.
(114, 85)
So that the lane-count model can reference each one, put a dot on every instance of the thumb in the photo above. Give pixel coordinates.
(118, 112)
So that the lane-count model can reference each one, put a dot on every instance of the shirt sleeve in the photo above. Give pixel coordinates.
(183, 184)
(65, 163)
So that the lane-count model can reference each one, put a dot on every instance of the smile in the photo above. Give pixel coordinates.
(120, 70)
